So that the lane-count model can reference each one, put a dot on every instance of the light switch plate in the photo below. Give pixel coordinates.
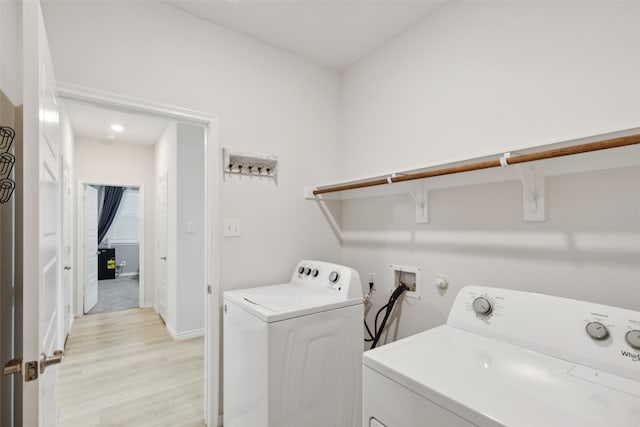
(191, 227)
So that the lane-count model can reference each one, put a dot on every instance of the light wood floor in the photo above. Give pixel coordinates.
(124, 369)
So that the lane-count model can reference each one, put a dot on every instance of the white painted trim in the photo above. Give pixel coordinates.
(212, 226)
(71, 320)
(137, 105)
(79, 276)
(185, 335)
(127, 274)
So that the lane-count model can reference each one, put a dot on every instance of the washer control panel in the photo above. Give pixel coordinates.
(598, 336)
(328, 278)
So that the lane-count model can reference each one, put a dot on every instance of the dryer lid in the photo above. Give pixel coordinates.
(493, 383)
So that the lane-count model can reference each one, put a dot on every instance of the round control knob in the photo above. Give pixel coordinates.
(300, 270)
(597, 330)
(633, 338)
(334, 276)
(482, 306)
(307, 271)
(315, 272)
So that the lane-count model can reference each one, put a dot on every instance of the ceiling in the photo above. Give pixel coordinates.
(332, 33)
(91, 121)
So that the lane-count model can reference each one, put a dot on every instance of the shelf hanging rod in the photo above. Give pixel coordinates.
(524, 158)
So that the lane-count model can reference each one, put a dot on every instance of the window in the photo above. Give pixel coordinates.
(125, 227)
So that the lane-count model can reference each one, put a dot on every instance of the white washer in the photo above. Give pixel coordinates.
(509, 358)
(293, 352)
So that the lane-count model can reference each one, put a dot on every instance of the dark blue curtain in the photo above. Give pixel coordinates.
(110, 205)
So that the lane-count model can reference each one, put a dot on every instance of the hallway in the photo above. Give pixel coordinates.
(124, 369)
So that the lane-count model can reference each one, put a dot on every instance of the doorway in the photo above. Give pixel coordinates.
(105, 150)
(112, 248)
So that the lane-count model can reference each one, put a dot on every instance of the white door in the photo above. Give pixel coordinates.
(66, 251)
(38, 222)
(163, 233)
(90, 247)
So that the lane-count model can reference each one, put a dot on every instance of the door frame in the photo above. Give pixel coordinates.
(80, 279)
(212, 214)
(65, 166)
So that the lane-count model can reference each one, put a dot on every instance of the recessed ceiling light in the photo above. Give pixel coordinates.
(117, 128)
(111, 136)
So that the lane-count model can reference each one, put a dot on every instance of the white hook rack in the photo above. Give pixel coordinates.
(249, 164)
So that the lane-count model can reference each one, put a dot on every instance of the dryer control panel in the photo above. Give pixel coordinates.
(327, 278)
(601, 337)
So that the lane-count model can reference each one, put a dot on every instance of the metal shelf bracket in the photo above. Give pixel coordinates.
(533, 193)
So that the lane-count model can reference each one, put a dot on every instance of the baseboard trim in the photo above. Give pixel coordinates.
(185, 335)
(127, 274)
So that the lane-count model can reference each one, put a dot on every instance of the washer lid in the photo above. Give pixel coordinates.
(280, 302)
(492, 383)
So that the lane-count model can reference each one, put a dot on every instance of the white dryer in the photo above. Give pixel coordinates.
(292, 353)
(509, 358)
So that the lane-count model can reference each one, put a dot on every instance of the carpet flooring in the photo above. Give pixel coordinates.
(117, 294)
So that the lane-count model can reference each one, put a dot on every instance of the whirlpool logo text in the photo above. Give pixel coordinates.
(633, 356)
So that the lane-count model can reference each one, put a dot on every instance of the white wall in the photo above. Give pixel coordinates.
(479, 78)
(267, 101)
(191, 245)
(165, 153)
(179, 153)
(102, 162)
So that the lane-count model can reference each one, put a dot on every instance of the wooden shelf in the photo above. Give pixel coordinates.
(607, 151)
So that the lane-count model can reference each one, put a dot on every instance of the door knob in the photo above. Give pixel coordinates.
(46, 361)
(163, 257)
(67, 267)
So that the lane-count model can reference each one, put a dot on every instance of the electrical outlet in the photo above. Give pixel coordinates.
(410, 276)
(232, 227)
(372, 278)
